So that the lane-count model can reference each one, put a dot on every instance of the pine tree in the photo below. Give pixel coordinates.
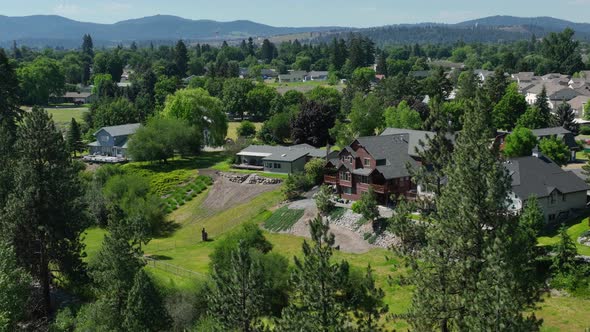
(237, 300)
(15, 285)
(322, 200)
(87, 57)
(145, 309)
(370, 306)
(469, 239)
(565, 253)
(542, 104)
(181, 58)
(113, 272)
(495, 87)
(45, 213)
(565, 117)
(382, 64)
(74, 138)
(316, 304)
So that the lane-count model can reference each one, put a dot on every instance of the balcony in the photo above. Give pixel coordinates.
(330, 179)
(381, 189)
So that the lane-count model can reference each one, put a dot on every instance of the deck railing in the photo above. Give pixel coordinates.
(330, 179)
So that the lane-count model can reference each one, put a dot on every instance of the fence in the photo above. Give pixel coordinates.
(174, 269)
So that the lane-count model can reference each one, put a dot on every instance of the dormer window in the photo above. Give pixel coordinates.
(381, 162)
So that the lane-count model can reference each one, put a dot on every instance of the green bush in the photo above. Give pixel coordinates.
(585, 130)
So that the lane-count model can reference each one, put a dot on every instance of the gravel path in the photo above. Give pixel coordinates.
(225, 194)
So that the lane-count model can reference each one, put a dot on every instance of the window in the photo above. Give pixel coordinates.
(364, 179)
(563, 198)
(347, 190)
(552, 198)
(277, 165)
(381, 162)
(551, 217)
(268, 165)
(104, 138)
(345, 176)
(367, 162)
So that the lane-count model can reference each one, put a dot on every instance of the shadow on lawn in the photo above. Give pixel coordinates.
(167, 229)
(203, 160)
(160, 257)
(552, 229)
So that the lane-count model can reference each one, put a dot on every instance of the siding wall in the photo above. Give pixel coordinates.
(572, 201)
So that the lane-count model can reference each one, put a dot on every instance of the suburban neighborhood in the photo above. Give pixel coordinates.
(294, 167)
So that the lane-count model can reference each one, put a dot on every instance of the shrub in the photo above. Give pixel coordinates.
(315, 170)
(585, 130)
(246, 129)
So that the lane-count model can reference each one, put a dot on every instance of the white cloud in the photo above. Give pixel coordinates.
(66, 9)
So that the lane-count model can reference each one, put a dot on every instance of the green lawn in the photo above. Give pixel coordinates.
(582, 155)
(184, 248)
(575, 229)
(63, 116)
(232, 130)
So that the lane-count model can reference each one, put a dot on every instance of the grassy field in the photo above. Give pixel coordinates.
(232, 130)
(184, 249)
(63, 116)
(574, 229)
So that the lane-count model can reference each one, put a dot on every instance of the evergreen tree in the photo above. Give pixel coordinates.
(267, 51)
(370, 306)
(467, 85)
(495, 87)
(45, 213)
(316, 304)
(532, 119)
(542, 104)
(15, 285)
(74, 138)
(181, 59)
(382, 64)
(87, 57)
(565, 117)
(145, 309)
(113, 272)
(564, 260)
(470, 244)
(322, 200)
(437, 85)
(237, 300)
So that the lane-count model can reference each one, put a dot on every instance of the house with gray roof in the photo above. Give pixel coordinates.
(558, 192)
(377, 162)
(112, 141)
(557, 93)
(561, 133)
(279, 159)
(293, 76)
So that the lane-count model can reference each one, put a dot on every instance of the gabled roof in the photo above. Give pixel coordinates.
(122, 130)
(414, 138)
(77, 94)
(579, 102)
(540, 177)
(542, 132)
(392, 148)
(282, 153)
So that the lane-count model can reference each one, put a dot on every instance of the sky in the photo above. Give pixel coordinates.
(350, 13)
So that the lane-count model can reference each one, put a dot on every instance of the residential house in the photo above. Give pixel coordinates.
(557, 93)
(280, 159)
(558, 192)
(78, 98)
(524, 77)
(316, 76)
(293, 76)
(578, 104)
(565, 135)
(112, 141)
(377, 162)
(483, 74)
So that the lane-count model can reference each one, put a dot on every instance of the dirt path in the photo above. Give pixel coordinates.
(347, 240)
(225, 194)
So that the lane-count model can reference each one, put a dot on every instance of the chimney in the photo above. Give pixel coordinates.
(536, 152)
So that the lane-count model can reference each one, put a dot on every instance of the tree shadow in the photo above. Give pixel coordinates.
(200, 161)
(167, 229)
(160, 257)
(552, 229)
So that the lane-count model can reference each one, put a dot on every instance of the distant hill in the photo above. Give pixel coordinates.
(494, 29)
(51, 30)
(547, 23)
(48, 28)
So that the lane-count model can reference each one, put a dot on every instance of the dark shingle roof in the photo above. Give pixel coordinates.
(392, 148)
(414, 138)
(122, 130)
(550, 131)
(540, 176)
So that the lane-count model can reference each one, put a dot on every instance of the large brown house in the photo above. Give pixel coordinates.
(380, 162)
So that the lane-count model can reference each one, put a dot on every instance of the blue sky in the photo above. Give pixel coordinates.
(358, 13)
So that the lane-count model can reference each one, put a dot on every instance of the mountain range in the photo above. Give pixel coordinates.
(52, 30)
